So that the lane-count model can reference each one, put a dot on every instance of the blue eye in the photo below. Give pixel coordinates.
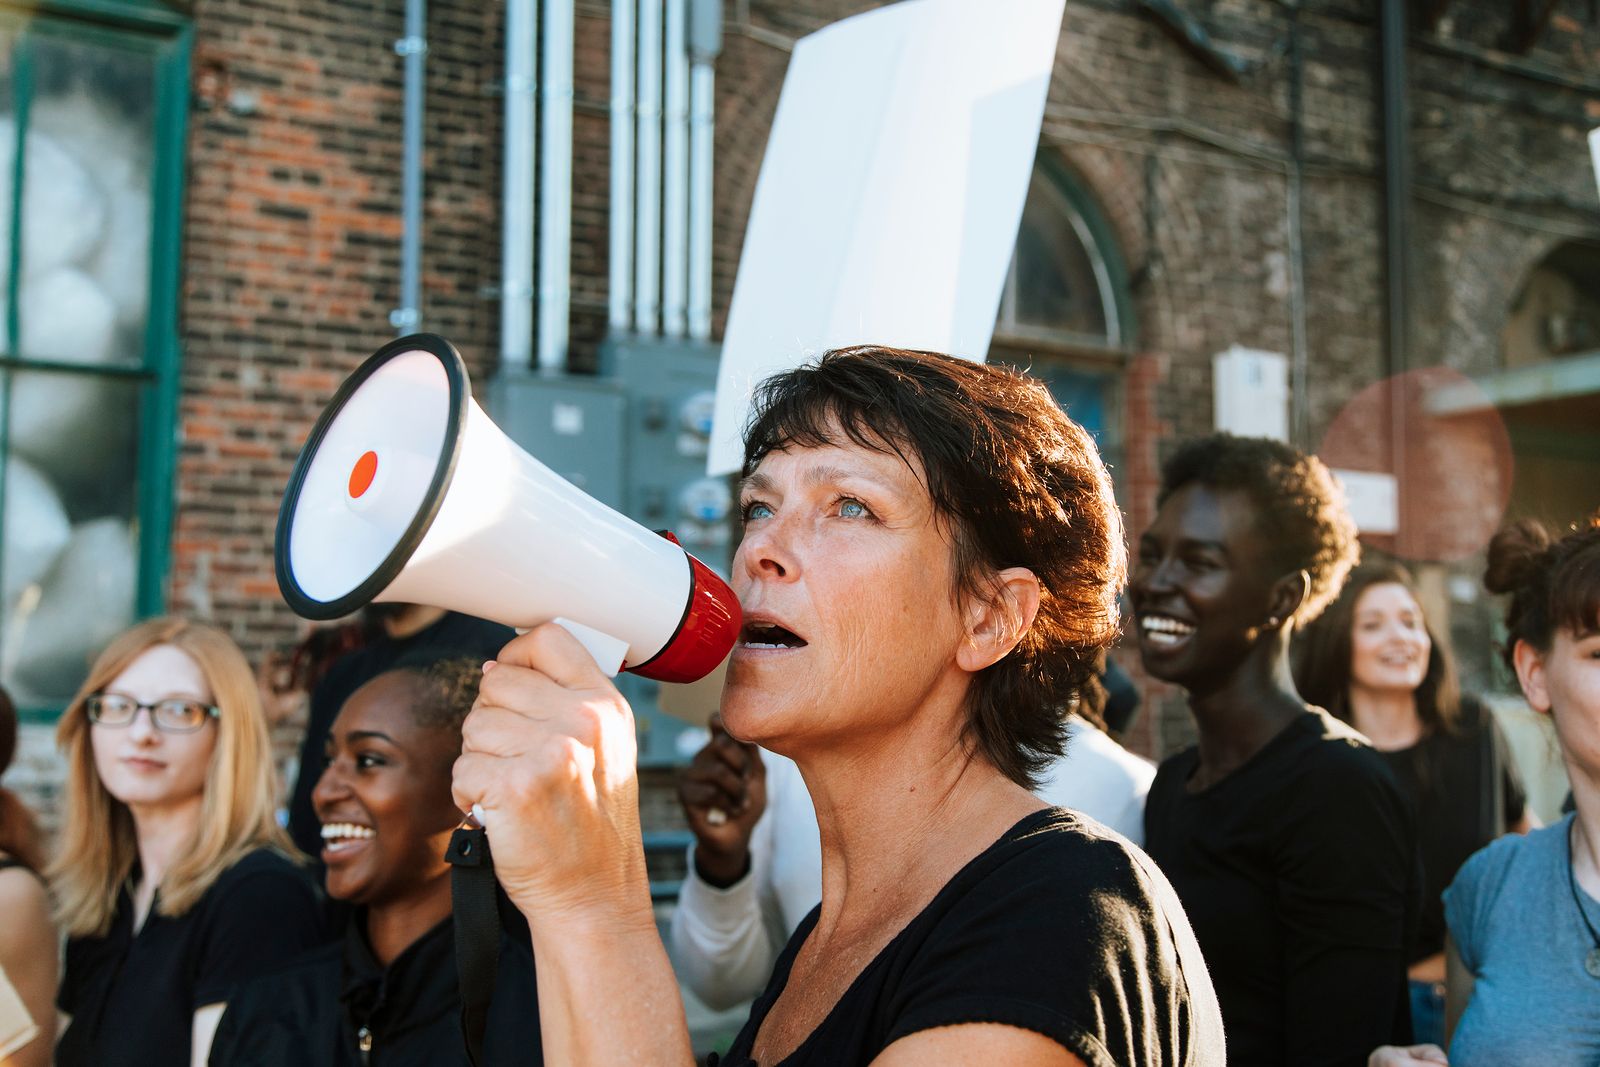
(755, 509)
(853, 509)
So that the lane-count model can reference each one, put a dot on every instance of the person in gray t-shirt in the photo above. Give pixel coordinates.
(1514, 922)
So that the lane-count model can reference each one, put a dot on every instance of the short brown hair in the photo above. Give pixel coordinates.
(1020, 485)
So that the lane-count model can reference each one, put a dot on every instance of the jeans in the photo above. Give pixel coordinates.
(1427, 1012)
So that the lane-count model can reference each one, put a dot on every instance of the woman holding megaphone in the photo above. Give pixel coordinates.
(930, 564)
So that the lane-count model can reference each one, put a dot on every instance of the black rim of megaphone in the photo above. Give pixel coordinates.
(385, 573)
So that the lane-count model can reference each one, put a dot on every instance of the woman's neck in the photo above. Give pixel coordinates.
(162, 833)
(1247, 709)
(1586, 828)
(1388, 717)
(899, 815)
(394, 926)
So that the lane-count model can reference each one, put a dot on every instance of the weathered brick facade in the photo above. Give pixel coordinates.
(293, 194)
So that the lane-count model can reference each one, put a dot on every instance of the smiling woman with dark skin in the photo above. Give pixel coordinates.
(388, 991)
(1284, 834)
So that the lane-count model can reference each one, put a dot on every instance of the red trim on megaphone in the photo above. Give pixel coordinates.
(706, 635)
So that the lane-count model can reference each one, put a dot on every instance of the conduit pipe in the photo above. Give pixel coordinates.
(517, 192)
(647, 221)
(413, 48)
(675, 182)
(622, 119)
(555, 184)
(705, 42)
(1397, 235)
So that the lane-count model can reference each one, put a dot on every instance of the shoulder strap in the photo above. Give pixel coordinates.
(1492, 790)
(476, 905)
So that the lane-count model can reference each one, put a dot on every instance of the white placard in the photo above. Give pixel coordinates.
(1250, 393)
(889, 197)
(1373, 499)
(1594, 154)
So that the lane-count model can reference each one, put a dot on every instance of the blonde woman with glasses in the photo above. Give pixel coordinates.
(173, 880)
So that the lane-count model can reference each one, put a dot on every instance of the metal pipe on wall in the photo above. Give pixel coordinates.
(675, 182)
(413, 47)
(1300, 359)
(555, 183)
(622, 119)
(1396, 198)
(647, 218)
(517, 191)
(705, 42)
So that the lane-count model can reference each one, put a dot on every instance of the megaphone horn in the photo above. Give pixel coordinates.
(406, 491)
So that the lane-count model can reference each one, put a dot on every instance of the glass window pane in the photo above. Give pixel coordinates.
(1056, 287)
(84, 284)
(69, 553)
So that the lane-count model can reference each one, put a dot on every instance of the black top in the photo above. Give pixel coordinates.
(1059, 927)
(1467, 792)
(453, 633)
(1299, 873)
(132, 997)
(320, 1010)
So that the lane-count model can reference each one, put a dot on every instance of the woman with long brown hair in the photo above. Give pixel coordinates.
(1372, 660)
(174, 882)
(27, 936)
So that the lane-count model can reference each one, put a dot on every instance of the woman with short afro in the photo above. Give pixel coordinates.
(1288, 840)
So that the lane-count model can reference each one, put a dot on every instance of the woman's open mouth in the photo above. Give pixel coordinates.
(767, 636)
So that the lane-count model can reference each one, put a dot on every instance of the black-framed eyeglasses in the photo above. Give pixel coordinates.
(174, 716)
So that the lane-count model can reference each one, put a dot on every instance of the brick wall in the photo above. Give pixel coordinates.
(292, 227)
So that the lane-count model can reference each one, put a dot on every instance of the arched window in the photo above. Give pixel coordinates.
(1556, 311)
(1065, 315)
(1065, 280)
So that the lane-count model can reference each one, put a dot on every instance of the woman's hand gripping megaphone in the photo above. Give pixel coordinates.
(549, 767)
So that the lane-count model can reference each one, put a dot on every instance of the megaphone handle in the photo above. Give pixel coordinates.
(609, 652)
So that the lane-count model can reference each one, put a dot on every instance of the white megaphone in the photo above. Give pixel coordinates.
(406, 491)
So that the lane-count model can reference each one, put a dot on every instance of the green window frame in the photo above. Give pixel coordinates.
(162, 36)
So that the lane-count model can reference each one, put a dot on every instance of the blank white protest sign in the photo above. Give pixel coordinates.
(889, 197)
(1594, 154)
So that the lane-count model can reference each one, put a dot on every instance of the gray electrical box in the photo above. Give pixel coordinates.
(635, 438)
(670, 386)
(572, 425)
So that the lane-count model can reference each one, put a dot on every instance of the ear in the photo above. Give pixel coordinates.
(996, 623)
(1288, 594)
(1529, 662)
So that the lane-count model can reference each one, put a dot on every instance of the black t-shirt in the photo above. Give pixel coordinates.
(1466, 791)
(1059, 927)
(1299, 873)
(313, 1012)
(132, 997)
(461, 634)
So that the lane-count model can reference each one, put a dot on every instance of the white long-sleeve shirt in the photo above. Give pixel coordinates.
(724, 942)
